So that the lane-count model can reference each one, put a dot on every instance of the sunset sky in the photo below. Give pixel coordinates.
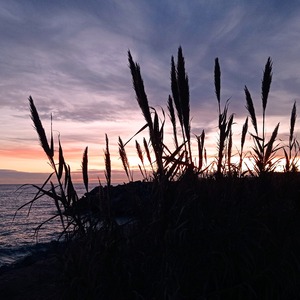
(71, 57)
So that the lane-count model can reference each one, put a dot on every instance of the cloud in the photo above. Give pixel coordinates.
(71, 57)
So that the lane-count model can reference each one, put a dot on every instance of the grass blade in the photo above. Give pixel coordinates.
(144, 127)
(270, 148)
(287, 161)
(37, 196)
(173, 119)
(243, 138)
(55, 198)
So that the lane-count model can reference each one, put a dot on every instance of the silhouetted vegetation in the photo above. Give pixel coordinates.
(199, 230)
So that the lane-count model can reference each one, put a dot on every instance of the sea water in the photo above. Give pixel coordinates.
(18, 235)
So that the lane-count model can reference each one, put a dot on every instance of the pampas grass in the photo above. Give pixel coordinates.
(196, 234)
(264, 152)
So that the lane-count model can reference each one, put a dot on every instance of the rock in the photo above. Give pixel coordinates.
(124, 198)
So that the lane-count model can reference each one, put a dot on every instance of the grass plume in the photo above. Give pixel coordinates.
(141, 97)
(292, 160)
(85, 169)
(124, 159)
(251, 110)
(265, 89)
(243, 138)
(40, 130)
(217, 77)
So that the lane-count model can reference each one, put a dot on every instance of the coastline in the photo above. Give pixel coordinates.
(33, 277)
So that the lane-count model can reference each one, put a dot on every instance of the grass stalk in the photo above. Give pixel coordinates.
(243, 138)
(107, 162)
(173, 119)
(291, 160)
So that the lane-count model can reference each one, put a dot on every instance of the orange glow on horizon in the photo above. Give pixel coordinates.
(32, 159)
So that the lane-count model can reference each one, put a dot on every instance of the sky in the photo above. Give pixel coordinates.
(72, 57)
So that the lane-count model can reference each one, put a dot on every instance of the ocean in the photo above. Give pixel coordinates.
(17, 235)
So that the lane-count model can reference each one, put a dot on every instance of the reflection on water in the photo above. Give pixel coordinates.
(17, 236)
